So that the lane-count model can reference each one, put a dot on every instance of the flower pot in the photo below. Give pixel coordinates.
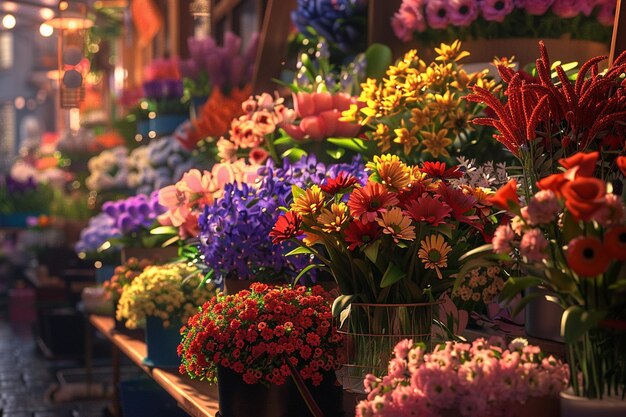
(574, 406)
(164, 124)
(104, 273)
(143, 128)
(196, 106)
(543, 317)
(372, 330)
(16, 220)
(162, 344)
(273, 400)
(158, 255)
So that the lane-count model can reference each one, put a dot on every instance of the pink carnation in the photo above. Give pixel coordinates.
(543, 208)
(533, 244)
(502, 239)
(611, 212)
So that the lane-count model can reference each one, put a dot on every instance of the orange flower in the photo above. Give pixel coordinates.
(587, 257)
(506, 196)
(396, 224)
(553, 183)
(585, 162)
(615, 242)
(311, 202)
(584, 196)
(621, 164)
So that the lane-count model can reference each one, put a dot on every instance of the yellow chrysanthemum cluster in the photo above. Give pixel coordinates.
(170, 292)
(419, 108)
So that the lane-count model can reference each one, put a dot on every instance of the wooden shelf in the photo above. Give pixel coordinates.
(197, 398)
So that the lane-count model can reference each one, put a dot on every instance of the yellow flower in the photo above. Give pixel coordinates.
(405, 138)
(382, 136)
(333, 220)
(350, 115)
(421, 117)
(451, 52)
(436, 143)
(310, 202)
(442, 104)
(434, 252)
(397, 225)
(504, 61)
(391, 171)
(458, 121)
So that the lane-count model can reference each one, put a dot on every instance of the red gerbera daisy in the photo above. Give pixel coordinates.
(411, 194)
(359, 233)
(462, 205)
(429, 209)
(287, 226)
(438, 170)
(342, 182)
(365, 203)
(587, 256)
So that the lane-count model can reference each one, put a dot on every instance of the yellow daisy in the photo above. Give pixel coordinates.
(333, 220)
(391, 171)
(397, 225)
(434, 252)
(309, 203)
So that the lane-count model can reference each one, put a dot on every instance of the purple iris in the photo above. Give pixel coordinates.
(496, 10)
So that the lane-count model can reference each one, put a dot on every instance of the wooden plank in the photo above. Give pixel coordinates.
(224, 8)
(197, 398)
(272, 44)
(618, 43)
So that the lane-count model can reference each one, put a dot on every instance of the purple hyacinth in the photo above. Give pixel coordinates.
(462, 12)
(15, 186)
(437, 14)
(134, 213)
(496, 10)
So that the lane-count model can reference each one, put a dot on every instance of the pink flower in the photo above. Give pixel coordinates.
(320, 113)
(502, 239)
(437, 14)
(606, 14)
(401, 350)
(176, 203)
(567, 8)
(462, 12)
(543, 208)
(226, 150)
(408, 19)
(258, 156)
(535, 7)
(496, 10)
(533, 244)
(611, 212)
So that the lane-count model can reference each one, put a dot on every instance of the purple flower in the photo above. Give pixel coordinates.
(496, 10)
(462, 12)
(437, 14)
(534, 7)
(606, 15)
(567, 8)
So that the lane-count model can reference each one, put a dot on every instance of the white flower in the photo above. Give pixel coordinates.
(518, 344)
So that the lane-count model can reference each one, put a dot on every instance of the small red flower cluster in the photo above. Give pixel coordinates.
(255, 332)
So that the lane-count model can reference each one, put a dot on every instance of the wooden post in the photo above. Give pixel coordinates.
(618, 43)
(272, 52)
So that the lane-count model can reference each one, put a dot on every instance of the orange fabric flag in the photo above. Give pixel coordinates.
(147, 19)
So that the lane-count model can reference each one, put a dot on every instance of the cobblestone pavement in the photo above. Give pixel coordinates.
(25, 377)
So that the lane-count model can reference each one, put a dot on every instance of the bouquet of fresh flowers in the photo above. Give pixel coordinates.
(444, 20)
(255, 332)
(163, 88)
(396, 239)
(571, 237)
(447, 381)
(108, 170)
(417, 111)
(24, 196)
(101, 229)
(123, 275)
(170, 292)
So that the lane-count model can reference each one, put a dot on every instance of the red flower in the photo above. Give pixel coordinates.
(462, 205)
(584, 196)
(587, 257)
(365, 203)
(615, 242)
(341, 183)
(585, 162)
(553, 183)
(621, 164)
(429, 209)
(287, 226)
(506, 196)
(438, 170)
(359, 233)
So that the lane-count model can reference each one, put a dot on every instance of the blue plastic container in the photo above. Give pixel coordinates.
(104, 273)
(143, 397)
(16, 220)
(143, 128)
(162, 344)
(164, 124)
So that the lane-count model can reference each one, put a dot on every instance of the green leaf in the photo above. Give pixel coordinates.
(577, 321)
(340, 303)
(305, 270)
(299, 251)
(371, 251)
(378, 60)
(392, 275)
(515, 285)
(164, 230)
(296, 191)
(294, 154)
(283, 141)
(170, 241)
(352, 144)
(336, 153)
(488, 248)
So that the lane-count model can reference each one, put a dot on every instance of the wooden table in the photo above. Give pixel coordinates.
(198, 399)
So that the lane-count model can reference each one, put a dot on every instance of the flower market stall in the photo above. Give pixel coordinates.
(326, 208)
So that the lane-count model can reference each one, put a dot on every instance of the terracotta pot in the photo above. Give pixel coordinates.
(159, 255)
(238, 399)
(574, 406)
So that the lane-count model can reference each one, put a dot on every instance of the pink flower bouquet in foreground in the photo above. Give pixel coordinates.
(484, 378)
